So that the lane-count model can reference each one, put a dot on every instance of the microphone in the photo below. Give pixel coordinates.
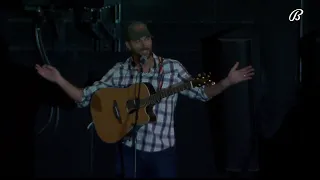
(142, 60)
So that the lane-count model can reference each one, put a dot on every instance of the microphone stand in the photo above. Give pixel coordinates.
(92, 129)
(133, 134)
(134, 127)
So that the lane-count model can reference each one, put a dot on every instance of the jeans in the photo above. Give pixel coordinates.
(160, 164)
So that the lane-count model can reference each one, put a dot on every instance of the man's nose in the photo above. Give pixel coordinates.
(143, 46)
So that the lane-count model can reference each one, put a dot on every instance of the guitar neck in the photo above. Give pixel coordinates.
(155, 98)
(201, 80)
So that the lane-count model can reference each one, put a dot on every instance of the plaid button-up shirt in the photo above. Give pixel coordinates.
(160, 135)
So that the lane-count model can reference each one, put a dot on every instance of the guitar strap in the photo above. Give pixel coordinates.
(160, 74)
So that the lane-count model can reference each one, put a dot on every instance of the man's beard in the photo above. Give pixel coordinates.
(143, 54)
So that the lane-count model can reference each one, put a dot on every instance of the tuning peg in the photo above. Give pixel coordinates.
(199, 75)
(210, 73)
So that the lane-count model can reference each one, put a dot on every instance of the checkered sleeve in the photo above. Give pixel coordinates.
(194, 93)
(106, 81)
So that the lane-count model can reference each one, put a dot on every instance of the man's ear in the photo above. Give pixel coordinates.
(128, 45)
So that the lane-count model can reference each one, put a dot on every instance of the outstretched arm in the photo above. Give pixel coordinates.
(106, 81)
(217, 88)
(74, 92)
(81, 96)
(194, 93)
(234, 77)
(206, 93)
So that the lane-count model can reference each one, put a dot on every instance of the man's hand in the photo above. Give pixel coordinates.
(236, 76)
(49, 72)
(52, 74)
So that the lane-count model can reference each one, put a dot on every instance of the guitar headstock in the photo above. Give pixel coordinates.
(202, 79)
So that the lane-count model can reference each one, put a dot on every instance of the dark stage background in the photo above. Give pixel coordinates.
(255, 128)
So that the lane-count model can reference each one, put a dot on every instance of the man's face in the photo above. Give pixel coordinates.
(142, 47)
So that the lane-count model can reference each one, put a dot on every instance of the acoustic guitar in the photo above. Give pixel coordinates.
(114, 110)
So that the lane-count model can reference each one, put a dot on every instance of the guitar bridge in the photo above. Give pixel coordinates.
(131, 106)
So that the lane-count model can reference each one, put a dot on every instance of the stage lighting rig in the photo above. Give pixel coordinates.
(98, 19)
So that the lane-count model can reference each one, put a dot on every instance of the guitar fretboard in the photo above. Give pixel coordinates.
(156, 98)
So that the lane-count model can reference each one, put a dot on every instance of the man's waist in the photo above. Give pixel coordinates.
(150, 148)
(151, 144)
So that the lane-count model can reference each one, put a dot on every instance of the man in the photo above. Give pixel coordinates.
(154, 142)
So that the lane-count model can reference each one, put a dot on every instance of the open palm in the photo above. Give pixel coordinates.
(48, 72)
(236, 76)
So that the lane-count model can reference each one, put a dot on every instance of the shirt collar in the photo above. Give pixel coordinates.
(155, 57)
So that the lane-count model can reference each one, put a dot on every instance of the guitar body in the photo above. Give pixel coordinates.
(114, 117)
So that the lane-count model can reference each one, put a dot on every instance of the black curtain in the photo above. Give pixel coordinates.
(279, 59)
